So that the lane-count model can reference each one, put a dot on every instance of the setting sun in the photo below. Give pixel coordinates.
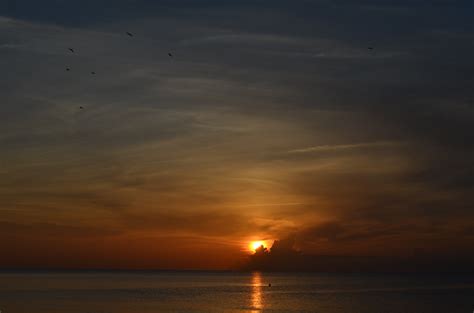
(254, 245)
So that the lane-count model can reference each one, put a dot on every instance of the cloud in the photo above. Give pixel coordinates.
(256, 128)
(343, 147)
(282, 256)
(16, 232)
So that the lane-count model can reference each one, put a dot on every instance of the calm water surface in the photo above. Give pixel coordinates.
(146, 292)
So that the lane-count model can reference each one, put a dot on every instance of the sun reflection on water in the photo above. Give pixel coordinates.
(256, 298)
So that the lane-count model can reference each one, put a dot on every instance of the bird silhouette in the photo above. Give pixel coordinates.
(169, 53)
(68, 69)
(71, 49)
(130, 34)
(82, 108)
(93, 73)
(370, 48)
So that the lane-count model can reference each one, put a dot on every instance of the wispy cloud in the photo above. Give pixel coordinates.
(361, 145)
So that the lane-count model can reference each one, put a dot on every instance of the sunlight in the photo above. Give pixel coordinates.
(254, 245)
(256, 298)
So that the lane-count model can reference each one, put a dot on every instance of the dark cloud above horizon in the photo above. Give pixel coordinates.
(272, 118)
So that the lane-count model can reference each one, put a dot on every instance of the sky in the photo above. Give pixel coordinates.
(272, 120)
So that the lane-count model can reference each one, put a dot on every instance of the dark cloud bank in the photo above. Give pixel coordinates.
(284, 257)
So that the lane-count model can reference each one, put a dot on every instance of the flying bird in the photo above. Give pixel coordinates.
(130, 34)
(68, 69)
(93, 73)
(370, 48)
(82, 108)
(169, 53)
(71, 49)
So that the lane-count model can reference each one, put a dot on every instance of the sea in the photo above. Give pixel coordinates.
(199, 291)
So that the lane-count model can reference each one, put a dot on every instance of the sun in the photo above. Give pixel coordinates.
(254, 245)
